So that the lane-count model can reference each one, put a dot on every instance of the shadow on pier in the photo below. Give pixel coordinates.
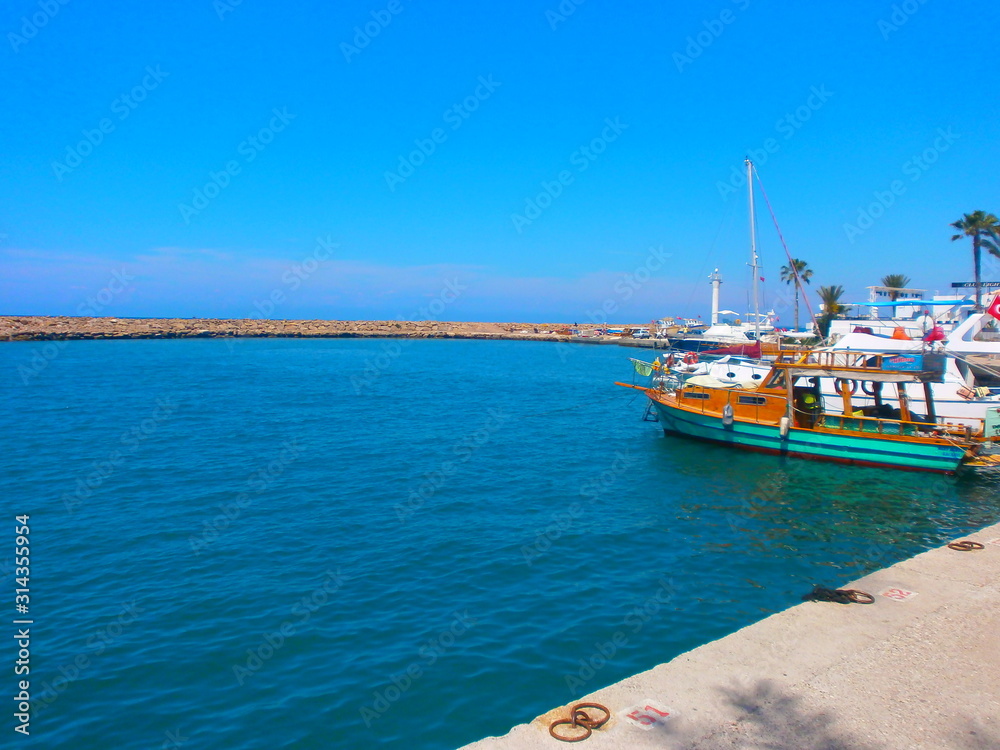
(767, 717)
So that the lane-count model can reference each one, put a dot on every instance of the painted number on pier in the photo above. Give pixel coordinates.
(995, 541)
(647, 714)
(899, 595)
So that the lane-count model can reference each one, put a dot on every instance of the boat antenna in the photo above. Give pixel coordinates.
(753, 253)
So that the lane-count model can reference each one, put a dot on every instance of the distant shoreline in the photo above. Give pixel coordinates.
(65, 328)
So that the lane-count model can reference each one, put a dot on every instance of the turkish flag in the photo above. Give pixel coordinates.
(994, 308)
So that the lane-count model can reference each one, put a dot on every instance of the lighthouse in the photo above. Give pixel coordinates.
(716, 281)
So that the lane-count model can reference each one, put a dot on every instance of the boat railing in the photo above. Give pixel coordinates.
(840, 359)
(667, 381)
(876, 425)
(923, 366)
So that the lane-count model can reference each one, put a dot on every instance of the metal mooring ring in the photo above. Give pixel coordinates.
(571, 722)
(965, 546)
(860, 597)
(583, 718)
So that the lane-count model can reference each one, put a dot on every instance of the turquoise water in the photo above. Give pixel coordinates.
(364, 543)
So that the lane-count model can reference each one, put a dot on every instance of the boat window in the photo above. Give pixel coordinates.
(754, 400)
(694, 394)
(777, 380)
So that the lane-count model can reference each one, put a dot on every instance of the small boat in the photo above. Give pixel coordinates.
(785, 413)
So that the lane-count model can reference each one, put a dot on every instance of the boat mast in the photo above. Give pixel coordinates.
(753, 253)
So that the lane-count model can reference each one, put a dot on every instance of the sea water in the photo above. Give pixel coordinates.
(351, 543)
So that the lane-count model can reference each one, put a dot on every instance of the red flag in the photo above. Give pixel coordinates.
(935, 334)
(994, 308)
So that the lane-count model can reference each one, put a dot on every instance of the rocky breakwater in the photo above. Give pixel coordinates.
(44, 328)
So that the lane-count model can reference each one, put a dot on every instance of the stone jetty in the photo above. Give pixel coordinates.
(44, 328)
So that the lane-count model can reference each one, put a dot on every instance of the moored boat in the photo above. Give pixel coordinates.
(785, 413)
(967, 389)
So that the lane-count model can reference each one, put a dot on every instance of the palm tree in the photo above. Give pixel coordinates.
(788, 274)
(984, 229)
(830, 297)
(895, 281)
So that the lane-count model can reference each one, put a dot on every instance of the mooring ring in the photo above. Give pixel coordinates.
(583, 718)
(571, 722)
(860, 597)
(965, 546)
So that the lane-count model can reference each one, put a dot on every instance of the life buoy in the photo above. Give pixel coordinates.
(852, 383)
(868, 388)
(691, 358)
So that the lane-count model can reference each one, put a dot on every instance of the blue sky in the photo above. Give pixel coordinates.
(543, 159)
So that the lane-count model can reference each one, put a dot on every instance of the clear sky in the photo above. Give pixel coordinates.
(526, 160)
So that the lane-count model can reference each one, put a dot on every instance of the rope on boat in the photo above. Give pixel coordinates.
(974, 365)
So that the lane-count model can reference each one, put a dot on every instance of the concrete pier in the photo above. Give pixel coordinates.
(918, 669)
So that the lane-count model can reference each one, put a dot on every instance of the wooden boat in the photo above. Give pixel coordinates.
(784, 413)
